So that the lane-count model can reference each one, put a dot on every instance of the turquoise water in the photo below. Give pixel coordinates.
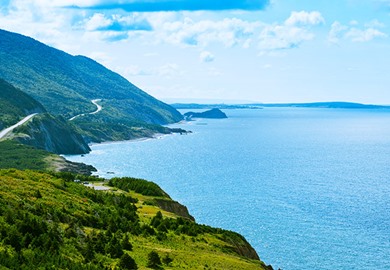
(308, 188)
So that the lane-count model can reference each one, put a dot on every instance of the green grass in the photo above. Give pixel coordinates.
(19, 156)
(48, 220)
(23, 157)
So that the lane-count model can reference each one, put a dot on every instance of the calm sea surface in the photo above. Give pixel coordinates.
(308, 188)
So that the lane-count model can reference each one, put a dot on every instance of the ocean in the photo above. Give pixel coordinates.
(309, 188)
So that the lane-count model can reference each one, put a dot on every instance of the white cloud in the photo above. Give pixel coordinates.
(375, 24)
(118, 23)
(68, 26)
(358, 35)
(96, 21)
(206, 57)
(342, 32)
(229, 32)
(305, 18)
(292, 33)
(336, 32)
(236, 32)
(42, 21)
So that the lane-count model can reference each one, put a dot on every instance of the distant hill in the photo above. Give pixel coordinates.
(213, 113)
(66, 84)
(335, 105)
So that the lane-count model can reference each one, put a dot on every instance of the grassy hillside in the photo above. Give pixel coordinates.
(20, 156)
(66, 84)
(15, 105)
(49, 221)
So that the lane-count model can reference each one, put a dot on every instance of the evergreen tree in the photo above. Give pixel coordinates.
(127, 262)
(154, 260)
(126, 243)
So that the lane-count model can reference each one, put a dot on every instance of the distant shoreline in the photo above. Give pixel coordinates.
(329, 105)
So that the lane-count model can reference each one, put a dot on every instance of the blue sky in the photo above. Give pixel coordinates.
(224, 51)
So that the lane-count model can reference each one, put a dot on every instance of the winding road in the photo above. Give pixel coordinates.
(98, 109)
(4, 132)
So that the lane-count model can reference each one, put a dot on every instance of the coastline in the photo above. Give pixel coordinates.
(157, 136)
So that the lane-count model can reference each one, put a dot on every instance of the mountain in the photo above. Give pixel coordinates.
(66, 84)
(52, 220)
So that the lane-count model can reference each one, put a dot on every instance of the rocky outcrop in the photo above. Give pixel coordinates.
(52, 134)
(213, 113)
(60, 164)
(174, 207)
(239, 245)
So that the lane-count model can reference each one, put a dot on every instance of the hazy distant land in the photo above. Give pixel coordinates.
(333, 104)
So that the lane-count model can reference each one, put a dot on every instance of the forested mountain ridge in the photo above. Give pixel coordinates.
(66, 84)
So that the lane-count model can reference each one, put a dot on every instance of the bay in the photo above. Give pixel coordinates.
(308, 188)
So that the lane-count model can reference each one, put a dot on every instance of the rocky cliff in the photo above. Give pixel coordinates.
(52, 134)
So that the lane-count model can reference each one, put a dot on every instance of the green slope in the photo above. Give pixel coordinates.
(43, 131)
(15, 105)
(66, 84)
(25, 157)
(47, 221)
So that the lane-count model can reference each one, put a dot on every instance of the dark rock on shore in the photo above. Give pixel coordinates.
(180, 130)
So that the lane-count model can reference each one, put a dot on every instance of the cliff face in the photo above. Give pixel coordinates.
(174, 207)
(52, 134)
(240, 245)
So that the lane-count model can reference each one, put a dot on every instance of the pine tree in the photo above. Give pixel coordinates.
(154, 260)
(127, 262)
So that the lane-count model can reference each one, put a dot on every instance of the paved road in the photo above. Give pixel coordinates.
(21, 122)
(98, 109)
